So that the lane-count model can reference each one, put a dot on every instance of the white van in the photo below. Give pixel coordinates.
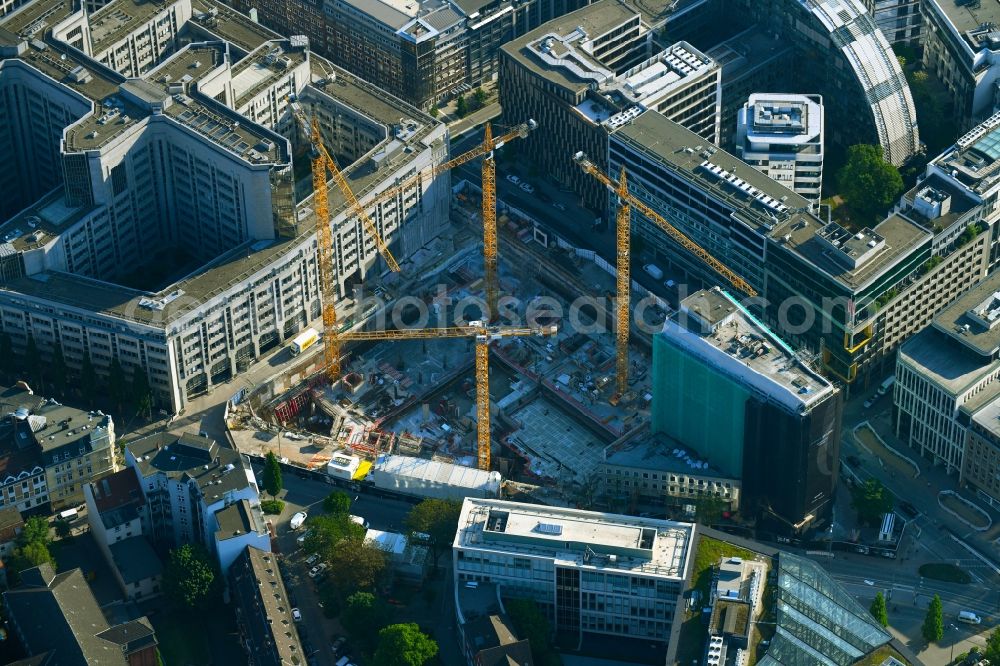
(969, 617)
(343, 661)
(69, 515)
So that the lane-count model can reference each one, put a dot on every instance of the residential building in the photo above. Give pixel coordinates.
(961, 49)
(56, 617)
(849, 297)
(198, 492)
(648, 470)
(11, 524)
(485, 632)
(263, 611)
(782, 136)
(586, 73)
(946, 383)
(729, 388)
(73, 446)
(118, 518)
(23, 483)
(197, 120)
(594, 574)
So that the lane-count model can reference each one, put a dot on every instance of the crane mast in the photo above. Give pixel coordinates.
(626, 202)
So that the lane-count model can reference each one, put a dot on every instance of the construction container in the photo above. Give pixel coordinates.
(432, 478)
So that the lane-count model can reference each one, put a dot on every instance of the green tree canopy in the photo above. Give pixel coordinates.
(327, 531)
(142, 392)
(933, 628)
(272, 475)
(531, 623)
(35, 530)
(869, 183)
(438, 519)
(871, 500)
(878, 609)
(461, 106)
(404, 645)
(355, 565)
(190, 577)
(992, 649)
(117, 388)
(337, 502)
(364, 616)
(30, 555)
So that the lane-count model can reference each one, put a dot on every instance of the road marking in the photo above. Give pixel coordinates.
(976, 554)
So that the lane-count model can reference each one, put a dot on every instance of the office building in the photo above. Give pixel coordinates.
(782, 136)
(263, 612)
(739, 396)
(72, 446)
(946, 380)
(960, 46)
(178, 242)
(586, 73)
(198, 492)
(56, 619)
(849, 297)
(593, 574)
(652, 471)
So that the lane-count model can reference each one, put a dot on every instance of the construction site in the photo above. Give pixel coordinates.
(419, 370)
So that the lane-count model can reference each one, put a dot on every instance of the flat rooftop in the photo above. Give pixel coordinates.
(713, 169)
(236, 520)
(270, 62)
(659, 453)
(580, 538)
(988, 415)
(119, 18)
(968, 15)
(745, 53)
(784, 119)
(40, 223)
(950, 365)
(717, 329)
(594, 20)
(974, 160)
(974, 318)
(230, 25)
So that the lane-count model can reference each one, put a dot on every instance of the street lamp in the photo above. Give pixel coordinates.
(951, 660)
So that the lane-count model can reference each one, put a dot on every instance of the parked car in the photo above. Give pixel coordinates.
(317, 570)
(338, 644)
(298, 520)
(511, 178)
(302, 537)
(527, 187)
(871, 401)
(908, 509)
(296, 615)
(312, 559)
(559, 205)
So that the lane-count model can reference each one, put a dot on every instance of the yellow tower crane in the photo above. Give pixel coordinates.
(320, 162)
(484, 335)
(489, 209)
(626, 201)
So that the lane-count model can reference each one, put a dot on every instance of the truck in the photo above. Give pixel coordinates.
(886, 386)
(433, 479)
(304, 341)
(655, 271)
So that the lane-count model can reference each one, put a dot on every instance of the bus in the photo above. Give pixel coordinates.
(304, 341)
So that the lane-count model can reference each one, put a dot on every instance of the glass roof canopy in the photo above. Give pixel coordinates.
(989, 145)
(817, 620)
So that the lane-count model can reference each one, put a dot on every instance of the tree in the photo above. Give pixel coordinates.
(991, 650)
(933, 629)
(337, 502)
(871, 501)
(88, 379)
(878, 609)
(461, 106)
(364, 616)
(435, 111)
(142, 393)
(116, 383)
(480, 97)
(328, 531)
(189, 577)
(35, 530)
(869, 183)
(438, 519)
(530, 623)
(30, 555)
(355, 565)
(63, 528)
(272, 475)
(59, 369)
(404, 645)
(709, 509)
